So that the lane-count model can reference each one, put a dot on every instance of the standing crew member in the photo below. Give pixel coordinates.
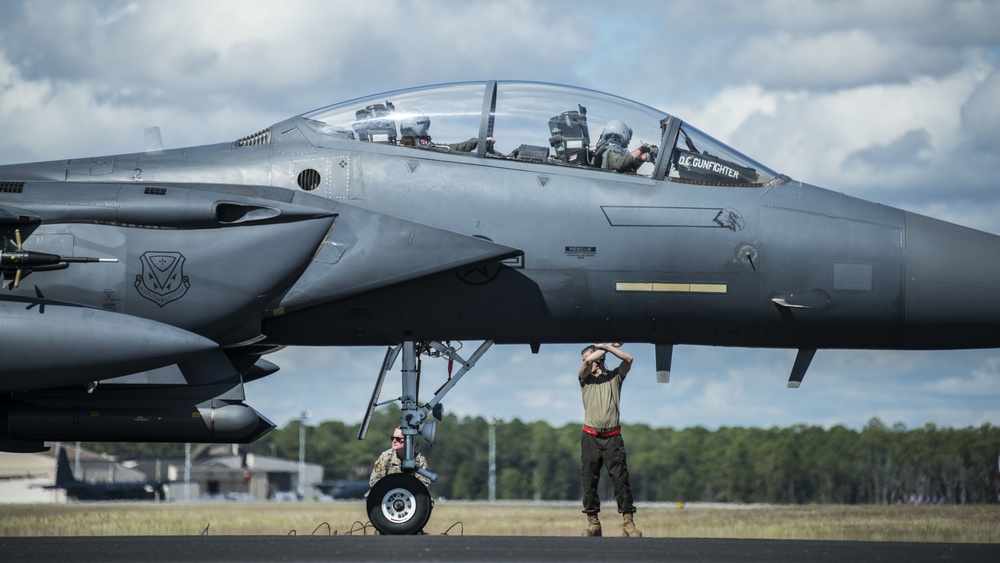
(602, 442)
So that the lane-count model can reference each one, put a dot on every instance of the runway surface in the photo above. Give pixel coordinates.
(477, 549)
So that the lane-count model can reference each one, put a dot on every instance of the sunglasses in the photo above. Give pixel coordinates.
(397, 438)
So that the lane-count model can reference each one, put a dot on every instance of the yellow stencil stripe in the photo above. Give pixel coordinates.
(664, 287)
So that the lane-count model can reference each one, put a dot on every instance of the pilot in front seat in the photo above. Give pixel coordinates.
(612, 149)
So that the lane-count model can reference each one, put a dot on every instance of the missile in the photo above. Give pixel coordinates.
(52, 344)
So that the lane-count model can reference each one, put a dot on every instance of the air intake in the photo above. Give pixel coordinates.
(235, 213)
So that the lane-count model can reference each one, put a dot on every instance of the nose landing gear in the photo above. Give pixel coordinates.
(400, 504)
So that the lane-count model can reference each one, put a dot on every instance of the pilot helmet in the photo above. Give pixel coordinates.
(616, 128)
(415, 126)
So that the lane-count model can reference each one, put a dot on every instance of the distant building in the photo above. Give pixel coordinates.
(224, 472)
(217, 472)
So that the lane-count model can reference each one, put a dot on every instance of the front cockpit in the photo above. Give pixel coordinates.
(539, 123)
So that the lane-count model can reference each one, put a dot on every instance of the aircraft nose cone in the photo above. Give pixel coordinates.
(952, 285)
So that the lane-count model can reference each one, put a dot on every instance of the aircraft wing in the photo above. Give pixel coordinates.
(368, 250)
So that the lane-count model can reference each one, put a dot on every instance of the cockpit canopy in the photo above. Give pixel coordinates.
(536, 122)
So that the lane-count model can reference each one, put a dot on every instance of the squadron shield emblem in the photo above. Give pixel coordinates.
(162, 279)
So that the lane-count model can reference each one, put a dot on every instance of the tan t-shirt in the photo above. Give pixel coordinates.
(601, 399)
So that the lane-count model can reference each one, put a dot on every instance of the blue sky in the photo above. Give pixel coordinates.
(892, 101)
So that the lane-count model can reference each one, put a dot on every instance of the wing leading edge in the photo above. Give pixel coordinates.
(378, 250)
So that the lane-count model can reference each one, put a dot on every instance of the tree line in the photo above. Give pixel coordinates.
(800, 464)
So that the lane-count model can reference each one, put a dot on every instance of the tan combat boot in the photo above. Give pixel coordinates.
(628, 527)
(593, 526)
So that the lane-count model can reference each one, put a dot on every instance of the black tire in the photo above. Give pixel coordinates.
(399, 505)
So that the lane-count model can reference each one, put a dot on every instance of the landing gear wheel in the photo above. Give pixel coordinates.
(399, 505)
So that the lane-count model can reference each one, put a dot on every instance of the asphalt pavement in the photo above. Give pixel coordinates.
(475, 549)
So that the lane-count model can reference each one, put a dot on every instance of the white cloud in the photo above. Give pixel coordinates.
(838, 59)
(981, 381)
(981, 114)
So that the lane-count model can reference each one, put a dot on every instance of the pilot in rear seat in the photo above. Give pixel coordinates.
(414, 133)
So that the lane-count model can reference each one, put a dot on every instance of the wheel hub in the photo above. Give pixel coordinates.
(398, 505)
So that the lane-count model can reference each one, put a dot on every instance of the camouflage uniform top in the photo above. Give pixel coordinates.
(617, 158)
(389, 463)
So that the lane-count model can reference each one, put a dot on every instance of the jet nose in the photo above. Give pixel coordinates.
(952, 285)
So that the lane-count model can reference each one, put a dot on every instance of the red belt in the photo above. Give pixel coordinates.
(599, 434)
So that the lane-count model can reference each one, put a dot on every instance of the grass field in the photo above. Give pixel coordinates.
(968, 524)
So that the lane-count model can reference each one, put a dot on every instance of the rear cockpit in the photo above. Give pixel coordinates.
(539, 123)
